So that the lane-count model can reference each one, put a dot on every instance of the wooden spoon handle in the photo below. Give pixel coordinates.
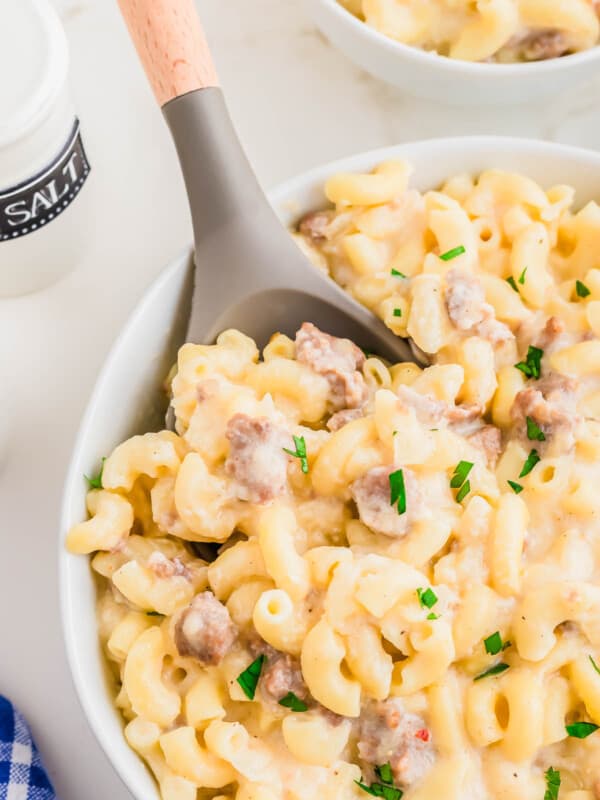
(171, 45)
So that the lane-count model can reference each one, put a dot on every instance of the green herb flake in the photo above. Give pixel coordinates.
(381, 790)
(454, 253)
(461, 472)
(397, 312)
(581, 289)
(427, 597)
(516, 487)
(433, 616)
(532, 366)
(594, 665)
(153, 614)
(513, 284)
(552, 784)
(398, 491)
(532, 459)
(385, 774)
(497, 669)
(292, 702)
(522, 277)
(397, 274)
(299, 452)
(248, 679)
(534, 432)
(464, 491)
(494, 644)
(581, 730)
(96, 482)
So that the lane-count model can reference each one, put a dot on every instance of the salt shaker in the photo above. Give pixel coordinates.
(45, 210)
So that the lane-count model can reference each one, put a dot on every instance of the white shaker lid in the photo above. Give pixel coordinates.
(33, 64)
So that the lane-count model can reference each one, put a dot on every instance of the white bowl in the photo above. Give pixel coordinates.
(127, 396)
(447, 80)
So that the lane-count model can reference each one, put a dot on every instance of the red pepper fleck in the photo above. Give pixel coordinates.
(423, 735)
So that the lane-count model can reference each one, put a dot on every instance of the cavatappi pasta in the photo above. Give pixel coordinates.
(344, 577)
(486, 30)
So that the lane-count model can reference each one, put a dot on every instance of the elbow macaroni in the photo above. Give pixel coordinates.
(448, 625)
(486, 30)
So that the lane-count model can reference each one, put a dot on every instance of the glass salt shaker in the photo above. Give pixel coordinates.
(45, 210)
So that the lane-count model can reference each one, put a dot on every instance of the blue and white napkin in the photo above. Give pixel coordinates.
(22, 776)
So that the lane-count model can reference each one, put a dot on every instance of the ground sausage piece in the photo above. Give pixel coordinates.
(551, 332)
(314, 226)
(551, 404)
(542, 45)
(256, 457)
(338, 360)
(341, 418)
(430, 411)
(281, 675)
(489, 440)
(205, 630)
(389, 734)
(468, 310)
(372, 495)
(164, 567)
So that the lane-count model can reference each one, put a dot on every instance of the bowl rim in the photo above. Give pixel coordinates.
(281, 196)
(467, 68)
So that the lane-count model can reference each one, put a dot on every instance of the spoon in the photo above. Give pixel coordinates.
(249, 273)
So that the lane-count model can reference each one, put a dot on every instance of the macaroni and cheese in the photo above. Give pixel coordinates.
(343, 577)
(486, 30)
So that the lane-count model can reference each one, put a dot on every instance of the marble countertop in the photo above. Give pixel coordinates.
(296, 103)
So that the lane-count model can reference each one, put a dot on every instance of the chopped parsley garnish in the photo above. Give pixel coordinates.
(459, 479)
(552, 784)
(292, 702)
(497, 669)
(248, 679)
(385, 786)
(513, 284)
(522, 277)
(427, 597)
(397, 274)
(385, 774)
(534, 432)
(581, 730)
(300, 452)
(433, 616)
(454, 253)
(464, 491)
(594, 665)
(516, 487)
(397, 312)
(381, 790)
(494, 644)
(532, 459)
(532, 366)
(96, 482)
(398, 491)
(581, 289)
(461, 472)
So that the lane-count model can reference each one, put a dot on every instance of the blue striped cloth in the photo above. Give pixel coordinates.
(22, 776)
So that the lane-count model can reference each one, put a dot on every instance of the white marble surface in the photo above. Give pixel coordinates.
(296, 103)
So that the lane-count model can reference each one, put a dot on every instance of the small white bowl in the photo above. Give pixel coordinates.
(425, 74)
(127, 396)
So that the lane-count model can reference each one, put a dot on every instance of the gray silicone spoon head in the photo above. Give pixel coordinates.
(249, 273)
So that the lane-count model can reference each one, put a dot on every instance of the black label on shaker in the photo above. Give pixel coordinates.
(34, 203)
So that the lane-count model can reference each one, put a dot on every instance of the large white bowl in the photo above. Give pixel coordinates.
(127, 397)
(447, 80)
